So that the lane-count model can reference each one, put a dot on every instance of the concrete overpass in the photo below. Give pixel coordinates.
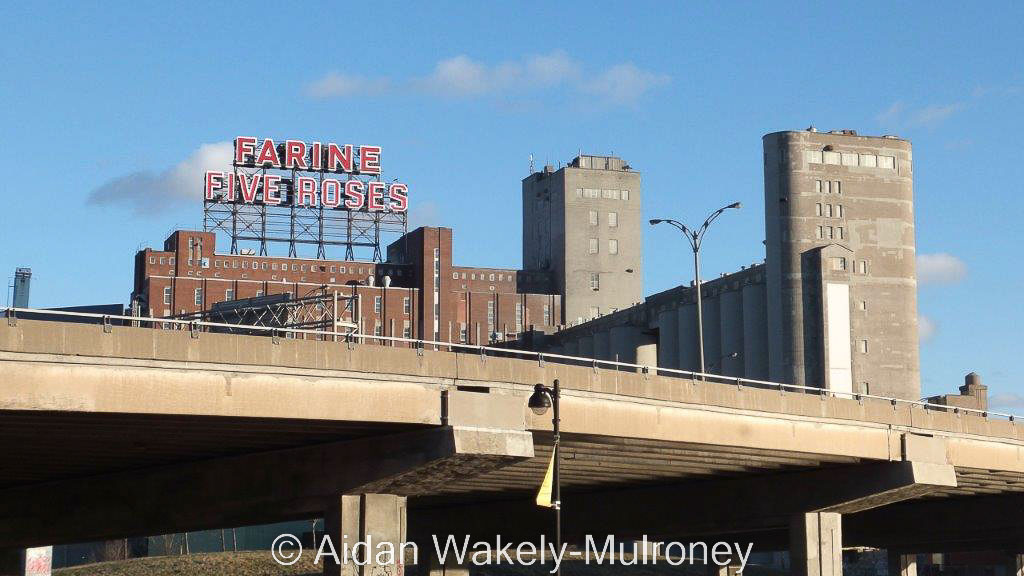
(116, 431)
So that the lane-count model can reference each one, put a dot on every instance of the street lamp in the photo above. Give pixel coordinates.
(542, 399)
(695, 237)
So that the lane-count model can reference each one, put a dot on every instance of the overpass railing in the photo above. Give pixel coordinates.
(109, 320)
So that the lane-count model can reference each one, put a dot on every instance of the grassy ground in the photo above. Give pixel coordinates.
(261, 564)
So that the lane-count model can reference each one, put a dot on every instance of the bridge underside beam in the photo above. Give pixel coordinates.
(942, 525)
(750, 504)
(253, 488)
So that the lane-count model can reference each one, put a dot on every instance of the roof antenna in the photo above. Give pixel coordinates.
(531, 163)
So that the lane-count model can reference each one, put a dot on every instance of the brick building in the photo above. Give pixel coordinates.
(417, 293)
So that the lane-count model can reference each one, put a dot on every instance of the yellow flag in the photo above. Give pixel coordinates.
(544, 494)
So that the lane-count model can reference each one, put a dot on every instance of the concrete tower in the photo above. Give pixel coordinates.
(841, 282)
(583, 227)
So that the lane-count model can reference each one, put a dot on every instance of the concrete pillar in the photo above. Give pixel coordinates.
(755, 332)
(571, 348)
(10, 562)
(903, 564)
(586, 346)
(712, 335)
(732, 333)
(27, 562)
(816, 544)
(646, 350)
(602, 345)
(1014, 564)
(688, 337)
(622, 343)
(366, 518)
(668, 339)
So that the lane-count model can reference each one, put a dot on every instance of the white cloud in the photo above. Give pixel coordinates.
(424, 214)
(552, 68)
(624, 83)
(940, 268)
(933, 115)
(334, 85)
(1007, 401)
(899, 115)
(463, 77)
(926, 328)
(147, 192)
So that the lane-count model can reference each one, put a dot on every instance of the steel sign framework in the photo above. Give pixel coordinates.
(289, 221)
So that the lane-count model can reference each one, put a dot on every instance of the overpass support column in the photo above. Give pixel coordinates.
(816, 544)
(905, 564)
(372, 519)
(1014, 564)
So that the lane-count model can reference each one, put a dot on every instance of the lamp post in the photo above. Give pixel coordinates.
(542, 399)
(696, 237)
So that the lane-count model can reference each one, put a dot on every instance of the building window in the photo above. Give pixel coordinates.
(491, 277)
(378, 329)
(888, 162)
(613, 219)
(167, 294)
(490, 317)
(863, 304)
(840, 233)
(813, 156)
(821, 232)
(817, 186)
(462, 332)
(837, 187)
(593, 217)
(839, 210)
(868, 160)
(817, 209)
(199, 296)
(229, 294)
(579, 192)
(593, 246)
(625, 194)
(519, 317)
(376, 304)
(472, 276)
(849, 159)
(829, 232)
(455, 275)
(259, 293)
(863, 345)
(862, 267)
(828, 210)
(406, 329)
(595, 281)
(407, 305)
(613, 246)
(838, 263)
(547, 315)
(831, 157)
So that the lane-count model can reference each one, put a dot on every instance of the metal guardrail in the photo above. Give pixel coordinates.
(196, 325)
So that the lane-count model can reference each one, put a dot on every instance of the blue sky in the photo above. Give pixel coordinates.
(104, 114)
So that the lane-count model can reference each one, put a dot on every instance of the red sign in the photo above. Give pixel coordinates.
(325, 160)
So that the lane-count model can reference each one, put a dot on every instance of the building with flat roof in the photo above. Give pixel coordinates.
(834, 305)
(583, 226)
(417, 293)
